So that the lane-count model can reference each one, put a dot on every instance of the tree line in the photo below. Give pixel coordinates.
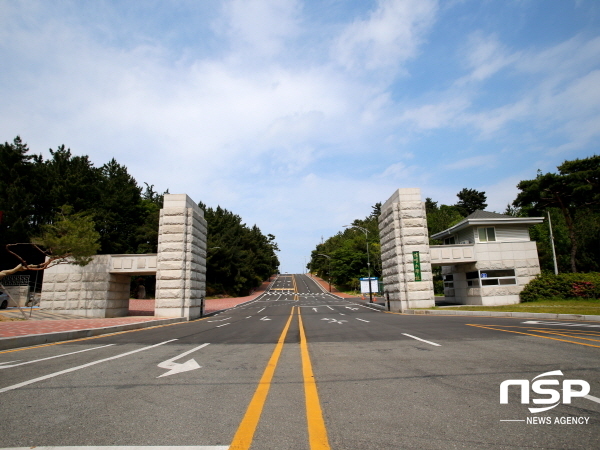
(34, 191)
(571, 196)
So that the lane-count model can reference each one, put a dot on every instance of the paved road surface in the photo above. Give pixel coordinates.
(301, 369)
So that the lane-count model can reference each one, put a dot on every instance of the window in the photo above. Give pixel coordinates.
(487, 234)
(448, 281)
(450, 241)
(498, 277)
(491, 278)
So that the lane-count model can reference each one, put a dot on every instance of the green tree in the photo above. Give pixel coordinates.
(71, 238)
(470, 200)
(574, 190)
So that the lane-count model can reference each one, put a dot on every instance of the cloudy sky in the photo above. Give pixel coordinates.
(301, 115)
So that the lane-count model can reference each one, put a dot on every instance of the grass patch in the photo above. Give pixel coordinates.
(8, 319)
(552, 306)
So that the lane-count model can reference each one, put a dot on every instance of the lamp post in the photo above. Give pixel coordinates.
(329, 269)
(364, 230)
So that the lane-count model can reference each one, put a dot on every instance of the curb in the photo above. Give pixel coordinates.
(48, 338)
(522, 315)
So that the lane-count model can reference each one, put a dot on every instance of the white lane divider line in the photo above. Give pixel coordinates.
(222, 325)
(362, 320)
(262, 309)
(248, 317)
(592, 398)
(83, 366)
(220, 320)
(265, 318)
(174, 367)
(52, 357)
(422, 340)
(329, 307)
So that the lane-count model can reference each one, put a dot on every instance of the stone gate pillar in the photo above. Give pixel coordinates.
(403, 230)
(181, 259)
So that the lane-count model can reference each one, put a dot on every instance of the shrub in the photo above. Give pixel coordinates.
(563, 286)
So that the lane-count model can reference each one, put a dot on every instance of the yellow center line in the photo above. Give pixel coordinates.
(245, 432)
(531, 334)
(317, 432)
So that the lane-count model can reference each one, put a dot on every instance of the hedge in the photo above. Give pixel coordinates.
(563, 286)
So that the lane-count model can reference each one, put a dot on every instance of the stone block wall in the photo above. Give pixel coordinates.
(181, 260)
(520, 256)
(19, 294)
(86, 291)
(403, 230)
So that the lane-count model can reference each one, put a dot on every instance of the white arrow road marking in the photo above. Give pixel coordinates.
(220, 320)
(83, 366)
(248, 317)
(335, 321)
(315, 309)
(342, 314)
(362, 320)
(174, 367)
(564, 324)
(422, 340)
(353, 309)
(52, 357)
(265, 318)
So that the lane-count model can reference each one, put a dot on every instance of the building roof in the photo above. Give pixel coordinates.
(482, 218)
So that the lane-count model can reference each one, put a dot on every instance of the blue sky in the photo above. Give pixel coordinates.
(301, 115)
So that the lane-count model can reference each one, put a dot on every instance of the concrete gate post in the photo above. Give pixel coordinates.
(181, 259)
(403, 230)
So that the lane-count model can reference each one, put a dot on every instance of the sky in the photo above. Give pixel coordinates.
(299, 116)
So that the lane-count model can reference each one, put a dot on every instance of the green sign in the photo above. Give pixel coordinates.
(417, 265)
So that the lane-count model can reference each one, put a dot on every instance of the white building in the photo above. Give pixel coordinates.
(487, 258)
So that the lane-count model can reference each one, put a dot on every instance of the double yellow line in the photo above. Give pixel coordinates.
(317, 432)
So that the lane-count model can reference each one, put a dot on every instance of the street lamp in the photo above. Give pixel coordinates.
(364, 230)
(329, 270)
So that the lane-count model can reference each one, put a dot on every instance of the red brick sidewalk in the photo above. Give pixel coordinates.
(143, 311)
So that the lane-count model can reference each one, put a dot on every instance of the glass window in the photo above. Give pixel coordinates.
(472, 275)
(450, 241)
(487, 234)
(449, 277)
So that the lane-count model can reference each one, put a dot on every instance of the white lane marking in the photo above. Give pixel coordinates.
(265, 318)
(315, 309)
(342, 314)
(52, 357)
(423, 340)
(174, 367)
(362, 320)
(335, 321)
(539, 322)
(220, 320)
(353, 309)
(262, 309)
(329, 307)
(83, 366)
(592, 398)
(219, 326)
(248, 317)
(124, 447)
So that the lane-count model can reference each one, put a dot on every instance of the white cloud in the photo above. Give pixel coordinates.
(388, 37)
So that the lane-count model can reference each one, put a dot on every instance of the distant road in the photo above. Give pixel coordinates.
(299, 368)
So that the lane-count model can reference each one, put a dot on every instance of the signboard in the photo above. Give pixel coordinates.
(417, 265)
(364, 285)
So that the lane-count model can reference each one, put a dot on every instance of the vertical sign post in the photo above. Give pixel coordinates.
(417, 265)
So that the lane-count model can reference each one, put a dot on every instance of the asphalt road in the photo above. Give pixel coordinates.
(298, 368)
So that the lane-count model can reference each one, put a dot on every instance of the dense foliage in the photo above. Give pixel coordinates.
(125, 216)
(348, 253)
(572, 197)
(562, 286)
(239, 257)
